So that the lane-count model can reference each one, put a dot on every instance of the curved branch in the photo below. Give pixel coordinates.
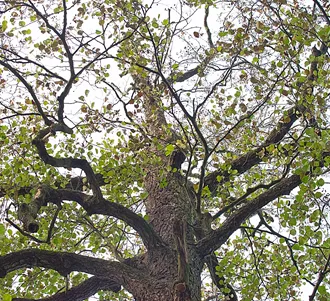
(218, 237)
(65, 263)
(30, 90)
(219, 281)
(92, 205)
(149, 237)
(82, 291)
(83, 164)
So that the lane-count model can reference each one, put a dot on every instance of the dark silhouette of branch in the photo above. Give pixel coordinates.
(325, 15)
(46, 194)
(39, 142)
(65, 263)
(218, 237)
(30, 90)
(323, 272)
(82, 291)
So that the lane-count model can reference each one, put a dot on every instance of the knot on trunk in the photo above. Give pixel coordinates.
(181, 292)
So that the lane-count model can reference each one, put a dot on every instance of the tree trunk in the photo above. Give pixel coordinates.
(170, 205)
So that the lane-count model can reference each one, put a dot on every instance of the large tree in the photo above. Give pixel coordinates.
(164, 150)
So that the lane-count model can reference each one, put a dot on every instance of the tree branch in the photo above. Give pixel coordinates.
(65, 263)
(252, 158)
(82, 291)
(30, 90)
(83, 164)
(218, 237)
(46, 194)
(219, 281)
(325, 270)
(325, 15)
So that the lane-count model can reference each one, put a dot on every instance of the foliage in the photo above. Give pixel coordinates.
(106, 105)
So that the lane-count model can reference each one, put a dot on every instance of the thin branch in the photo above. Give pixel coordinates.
(325, 15)
(225, 288)
(27, 60)
(324, 270)
(24, 233)
(208, 32)
(30, 90)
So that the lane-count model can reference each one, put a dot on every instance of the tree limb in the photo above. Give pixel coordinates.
(252, 158)
(218, 237)
(82, 291)
(65, 263)
(83, 164)
(219, 281)
(46, 194)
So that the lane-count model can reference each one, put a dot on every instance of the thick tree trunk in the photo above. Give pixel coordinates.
(170, 205)
(165, 206)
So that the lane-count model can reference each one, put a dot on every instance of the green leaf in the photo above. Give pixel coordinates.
(7, 297)
(2, 230)
(4, 25)
(169, 149)
(175, 66)
(322, 290)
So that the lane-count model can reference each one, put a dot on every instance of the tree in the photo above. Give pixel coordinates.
(164, 151)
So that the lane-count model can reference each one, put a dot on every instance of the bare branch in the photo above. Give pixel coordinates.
(325, 15)
(208, 32)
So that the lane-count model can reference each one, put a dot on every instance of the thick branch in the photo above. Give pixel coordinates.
(82, 291)
(149, 237)
(92, 205)
(65, 162)
(65, 263)
(218, 237)
(252, 158)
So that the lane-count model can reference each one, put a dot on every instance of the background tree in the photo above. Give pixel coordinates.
(138, 137)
